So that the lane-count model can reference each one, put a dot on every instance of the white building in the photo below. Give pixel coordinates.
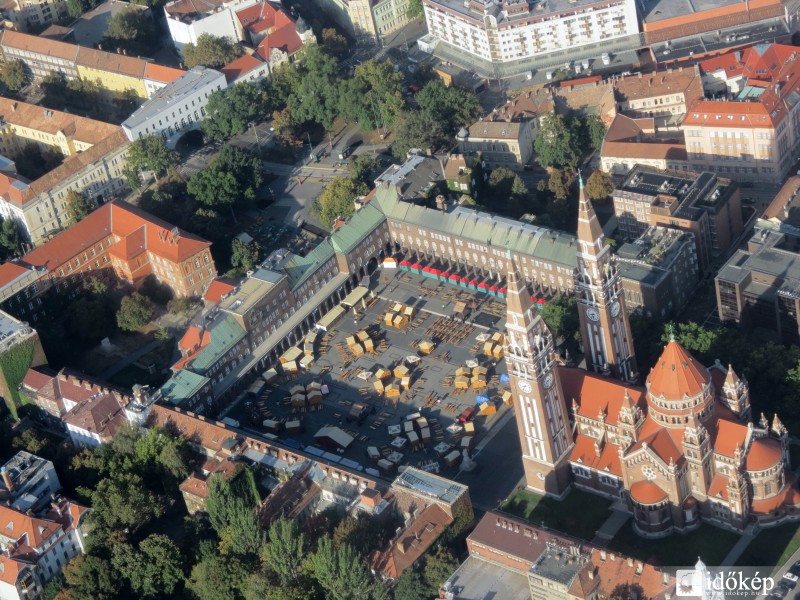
(27, 481)
(513, 30)
(187, 20)
(176, 108)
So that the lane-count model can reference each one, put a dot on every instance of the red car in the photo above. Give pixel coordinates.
(466, 415)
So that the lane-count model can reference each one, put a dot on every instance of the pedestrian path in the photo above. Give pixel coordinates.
(612, 525)
(738, 548)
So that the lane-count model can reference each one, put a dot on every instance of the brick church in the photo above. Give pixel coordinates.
(678, 451)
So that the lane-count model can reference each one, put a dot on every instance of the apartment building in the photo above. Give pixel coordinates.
(116, 240)
(708, 206)
(95, 157)
(504, 137)
(176, 108)
(112, 71)
(663, 95)
(27, 482)
(760, 285)
(514, 30)
(36, 14)
(368, 22)
(659, 271)
(187, 20)
(274, 34)
(752, 137)
(36, 546)
(629, 142)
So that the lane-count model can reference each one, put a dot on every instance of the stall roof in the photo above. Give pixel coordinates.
(330, 317)
(336, 435)
(292, 353)
(357, 294)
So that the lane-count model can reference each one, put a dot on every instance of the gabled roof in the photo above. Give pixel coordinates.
(161, 73)
(220, 287)
(660, 441)
(102, 414)
(677, 374)
(16, 526)
(283, 36)
(207, 434)
(128, 66)
(584, 453)
(38, 45)
(595, 393)
(718, 488)
(223, 334)
(241, 67)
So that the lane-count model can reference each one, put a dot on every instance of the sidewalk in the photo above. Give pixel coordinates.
(739, 547)
(616, 521)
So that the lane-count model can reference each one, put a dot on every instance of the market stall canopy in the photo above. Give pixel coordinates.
(330, 318)
(291, 354)
(355, 296)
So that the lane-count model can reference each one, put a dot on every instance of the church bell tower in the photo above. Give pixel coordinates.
(539, 404)
(605, 328)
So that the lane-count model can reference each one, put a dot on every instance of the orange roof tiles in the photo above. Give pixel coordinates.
(10, 569)
(282, 37)
(241, 66)
(584, 452)
(220, 287)
(38, 45)
(161, 73)
(728, 435)
(10, 271)
(16, 525)
(196, 430)
(647, 492)
(596, 393)
(763, 454)
(112, 62)
(49, 121)
(677, 374)
(663, 444)
(718, 488)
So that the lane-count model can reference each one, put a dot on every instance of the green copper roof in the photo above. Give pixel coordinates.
(225, 334)
(484, 228)
(182, 386)
(299, 268)
(358, 227)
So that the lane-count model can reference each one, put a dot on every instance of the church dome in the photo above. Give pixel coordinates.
(677, 374)
(647, 492)
(763, 454)
(679, 388)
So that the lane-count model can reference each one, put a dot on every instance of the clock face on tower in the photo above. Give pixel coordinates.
(524, 387)
(593, 314)
(548, 381)
(615, 309)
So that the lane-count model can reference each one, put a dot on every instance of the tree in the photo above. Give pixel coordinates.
(91, 578)
(505, 190)
(78, 206)
(451, 106)
(374, 96)
(229, 112)
(15, 75)
(561, 316)
(89, 318)
(361, 167)
(123, 501)
(153, 570)
(560, 182)
(134, 312)
(558, 142)
(338, 199)
(210, 51)
(411, 586)
(285, 129)
(231, 506)
(415, 10)
(132, 177)
(150, 153)
(439, 565)
(418, 130)
(314, 95)
(285, 551)
(599, 186)
(234, 177)
(596, 131)
(342, 575)
(335, 42)
(244, 256)
(10, 237)
(157, 292)
(217, 578)
(130, 30)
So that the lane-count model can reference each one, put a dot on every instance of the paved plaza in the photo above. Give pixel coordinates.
(458, 342)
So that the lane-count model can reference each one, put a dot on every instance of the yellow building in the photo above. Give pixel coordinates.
(114, 72)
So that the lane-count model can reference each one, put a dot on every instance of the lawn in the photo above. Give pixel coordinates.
(709, 543)
(772, 546)
(580, 514)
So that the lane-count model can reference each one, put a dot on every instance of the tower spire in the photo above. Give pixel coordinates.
(590, 232)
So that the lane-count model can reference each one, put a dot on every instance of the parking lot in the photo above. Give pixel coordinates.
(386, 413)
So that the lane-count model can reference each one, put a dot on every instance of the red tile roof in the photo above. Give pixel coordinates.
(283, 37)
(647, 492)
(596, 393)
(718, 488)
(38, 45)
(9, 271)
(161, 73)
(763, 454)
(677, 374)
(197, 430)
(220, 287)
(727, 435)
(665, 443)
(584, 452)
(127, 66)
(16, 525)
(240, 67)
